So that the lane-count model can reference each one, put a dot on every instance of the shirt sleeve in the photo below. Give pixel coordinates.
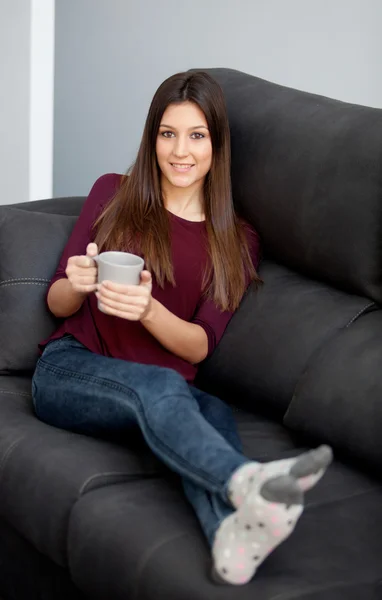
(102, 191)
(213, 320)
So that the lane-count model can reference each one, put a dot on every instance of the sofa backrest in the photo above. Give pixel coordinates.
(307, 172)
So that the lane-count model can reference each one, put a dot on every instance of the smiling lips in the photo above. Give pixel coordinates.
(181, 168)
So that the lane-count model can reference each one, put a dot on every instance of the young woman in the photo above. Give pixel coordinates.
(132, 364)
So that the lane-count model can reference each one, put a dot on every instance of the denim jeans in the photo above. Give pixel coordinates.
(192, 432)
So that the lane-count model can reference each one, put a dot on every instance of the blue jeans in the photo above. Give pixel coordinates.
(192, 432)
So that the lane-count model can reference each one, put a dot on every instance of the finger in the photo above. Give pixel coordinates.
(83, 261)
(85, 288)
(74, 261)
(84, 280)
(122, 304)
(129, 290)
(119, 313)
(146, 278)
(141, 300)
(79, 273)
(91, 249)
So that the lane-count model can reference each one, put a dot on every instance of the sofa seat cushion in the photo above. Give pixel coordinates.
(142, 540)
(44, 471)
(273, 336)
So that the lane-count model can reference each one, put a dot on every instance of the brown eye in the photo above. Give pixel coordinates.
(167, 134)
(197, 136)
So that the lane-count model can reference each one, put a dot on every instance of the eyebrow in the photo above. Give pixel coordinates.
(196, 127)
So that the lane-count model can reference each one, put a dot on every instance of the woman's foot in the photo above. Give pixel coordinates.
(264, 520)
(307, 469)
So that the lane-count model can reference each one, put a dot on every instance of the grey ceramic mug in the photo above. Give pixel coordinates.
(119, 267)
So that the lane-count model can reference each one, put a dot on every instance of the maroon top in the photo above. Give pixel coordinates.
(129, 340)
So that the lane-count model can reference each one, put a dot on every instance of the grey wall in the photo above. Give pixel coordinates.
(112, 54)
(14, 100)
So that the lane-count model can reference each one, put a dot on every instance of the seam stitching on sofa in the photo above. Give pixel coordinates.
(147, 556)
(360, 312)
(16, 279)
(8, 453)
(24, 283)
(16, 393)
(83, 490)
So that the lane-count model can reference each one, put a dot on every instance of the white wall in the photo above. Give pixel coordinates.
(41, 99)
(26, 99)
(112, 54)
(14, 100)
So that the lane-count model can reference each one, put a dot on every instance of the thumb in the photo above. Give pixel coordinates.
(91, 250)
(146, 278)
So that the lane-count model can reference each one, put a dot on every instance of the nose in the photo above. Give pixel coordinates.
(181, 147)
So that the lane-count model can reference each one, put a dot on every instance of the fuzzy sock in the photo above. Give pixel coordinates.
(306, 469)
(264, 520)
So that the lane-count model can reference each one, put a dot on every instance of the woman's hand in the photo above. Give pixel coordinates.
(81, 271)
(131, 302)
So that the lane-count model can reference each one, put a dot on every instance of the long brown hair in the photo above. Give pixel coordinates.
(136, 219)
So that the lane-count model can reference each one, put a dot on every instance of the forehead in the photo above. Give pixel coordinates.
(186, 114)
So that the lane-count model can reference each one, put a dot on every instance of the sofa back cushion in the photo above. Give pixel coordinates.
(31, 244)
(307, 172)
(274, 336)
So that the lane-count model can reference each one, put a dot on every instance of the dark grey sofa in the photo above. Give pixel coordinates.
(300, 362)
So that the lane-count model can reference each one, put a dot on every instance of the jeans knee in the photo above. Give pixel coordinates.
(166, 397)
(167, 382)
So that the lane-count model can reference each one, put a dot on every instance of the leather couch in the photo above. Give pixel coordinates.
(300, 362)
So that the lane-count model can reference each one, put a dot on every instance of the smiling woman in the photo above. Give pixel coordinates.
(133, 363)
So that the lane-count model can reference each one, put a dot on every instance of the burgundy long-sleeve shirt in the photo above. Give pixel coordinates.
(129, 340)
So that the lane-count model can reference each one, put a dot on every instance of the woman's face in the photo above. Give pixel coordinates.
(183, 148)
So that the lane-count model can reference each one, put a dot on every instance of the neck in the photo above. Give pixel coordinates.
(184, 203)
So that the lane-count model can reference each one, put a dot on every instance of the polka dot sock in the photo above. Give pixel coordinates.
(306, 469)
(263, 521)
